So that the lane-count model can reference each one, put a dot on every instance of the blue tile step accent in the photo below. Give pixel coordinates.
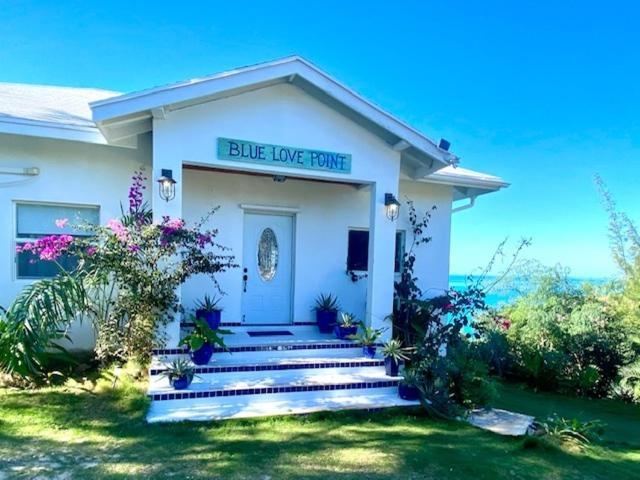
(191, 394)
(187, 324)
(259, 367)
(274, 347)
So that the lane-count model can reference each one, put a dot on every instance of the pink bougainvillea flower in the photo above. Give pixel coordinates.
(133, 248)
(119, 230)
(170, 227)
(91, 251)
(204, 239)
(62, 222)
(172, 223)
(503, 323)
(48, 248)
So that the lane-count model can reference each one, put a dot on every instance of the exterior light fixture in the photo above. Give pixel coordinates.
(167, 185)
(392, 205)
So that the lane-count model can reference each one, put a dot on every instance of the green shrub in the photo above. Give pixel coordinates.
(470, 382)
(572, 430)
(562, 337)
(627, 386)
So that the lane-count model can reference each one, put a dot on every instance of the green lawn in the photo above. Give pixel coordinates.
(71, 433)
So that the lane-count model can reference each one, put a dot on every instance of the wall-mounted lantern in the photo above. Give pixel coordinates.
(392, 205)
(167, 185)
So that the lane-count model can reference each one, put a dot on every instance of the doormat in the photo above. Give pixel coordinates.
(268, 333)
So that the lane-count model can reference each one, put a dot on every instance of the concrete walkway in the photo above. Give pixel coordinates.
(501, 422)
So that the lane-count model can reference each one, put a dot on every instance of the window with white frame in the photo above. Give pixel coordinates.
(358, 250)
(37, 220)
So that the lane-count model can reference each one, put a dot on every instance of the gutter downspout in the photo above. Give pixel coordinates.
(472, 202)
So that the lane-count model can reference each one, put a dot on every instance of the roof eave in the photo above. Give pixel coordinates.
(466, 187)
(56, 131)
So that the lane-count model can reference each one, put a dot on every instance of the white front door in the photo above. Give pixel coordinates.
(267, 269)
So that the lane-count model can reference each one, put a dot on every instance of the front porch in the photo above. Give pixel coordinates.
(300, 372)
(305, 253)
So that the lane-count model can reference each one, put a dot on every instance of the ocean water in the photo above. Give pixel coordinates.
(503, 294)
(495, 298)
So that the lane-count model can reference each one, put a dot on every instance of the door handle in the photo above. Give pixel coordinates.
(245, 277)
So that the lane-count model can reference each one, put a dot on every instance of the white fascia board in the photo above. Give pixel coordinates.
(465, 182)
(147, 100)
(52, 130)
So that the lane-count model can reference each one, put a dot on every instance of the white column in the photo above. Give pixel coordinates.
(382, 238)
(172, 209)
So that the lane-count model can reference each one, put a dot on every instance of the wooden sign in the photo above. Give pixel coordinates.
(283, 156)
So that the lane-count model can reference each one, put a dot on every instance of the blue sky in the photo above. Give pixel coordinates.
(543, 94)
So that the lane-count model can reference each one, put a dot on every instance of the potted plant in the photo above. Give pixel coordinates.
(394, 353)
(179, 374)
(326, 312)
(207, 309)
(367, 337)
(346, 326)
(201, 341)
(408, 386)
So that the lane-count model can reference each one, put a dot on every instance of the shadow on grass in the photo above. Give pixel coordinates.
(105, 436)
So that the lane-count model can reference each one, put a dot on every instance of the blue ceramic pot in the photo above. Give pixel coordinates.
(326, 320)
(343, 332)
(202, 355)
(180, 383)
(213, 318)
(369, 351)
(408, 392)
(391, 367)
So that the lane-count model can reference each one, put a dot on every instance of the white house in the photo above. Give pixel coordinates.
(296, 161)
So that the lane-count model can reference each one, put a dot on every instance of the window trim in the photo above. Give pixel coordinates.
(15, 240)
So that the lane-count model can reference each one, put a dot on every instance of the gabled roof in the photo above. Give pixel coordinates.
(107, 117)
(131, 114)
(52, 112)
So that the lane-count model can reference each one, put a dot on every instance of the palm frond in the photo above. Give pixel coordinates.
(37, 319)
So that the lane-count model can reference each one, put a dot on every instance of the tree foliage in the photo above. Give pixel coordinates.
(125, 284)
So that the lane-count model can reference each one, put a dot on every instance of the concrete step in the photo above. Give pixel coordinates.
(269, 361)
(262, 352)
(281, 381)
(299, 334)
(247, 406)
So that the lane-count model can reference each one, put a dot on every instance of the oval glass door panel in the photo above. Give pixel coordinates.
(267, 255)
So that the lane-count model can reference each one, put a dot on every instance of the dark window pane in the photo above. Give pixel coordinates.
(358, 250)
(35, 221)
(30, 265)
(399, 251)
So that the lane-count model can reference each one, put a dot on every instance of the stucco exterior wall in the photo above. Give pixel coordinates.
(281, 114)
(70, 172)
(326, 213)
